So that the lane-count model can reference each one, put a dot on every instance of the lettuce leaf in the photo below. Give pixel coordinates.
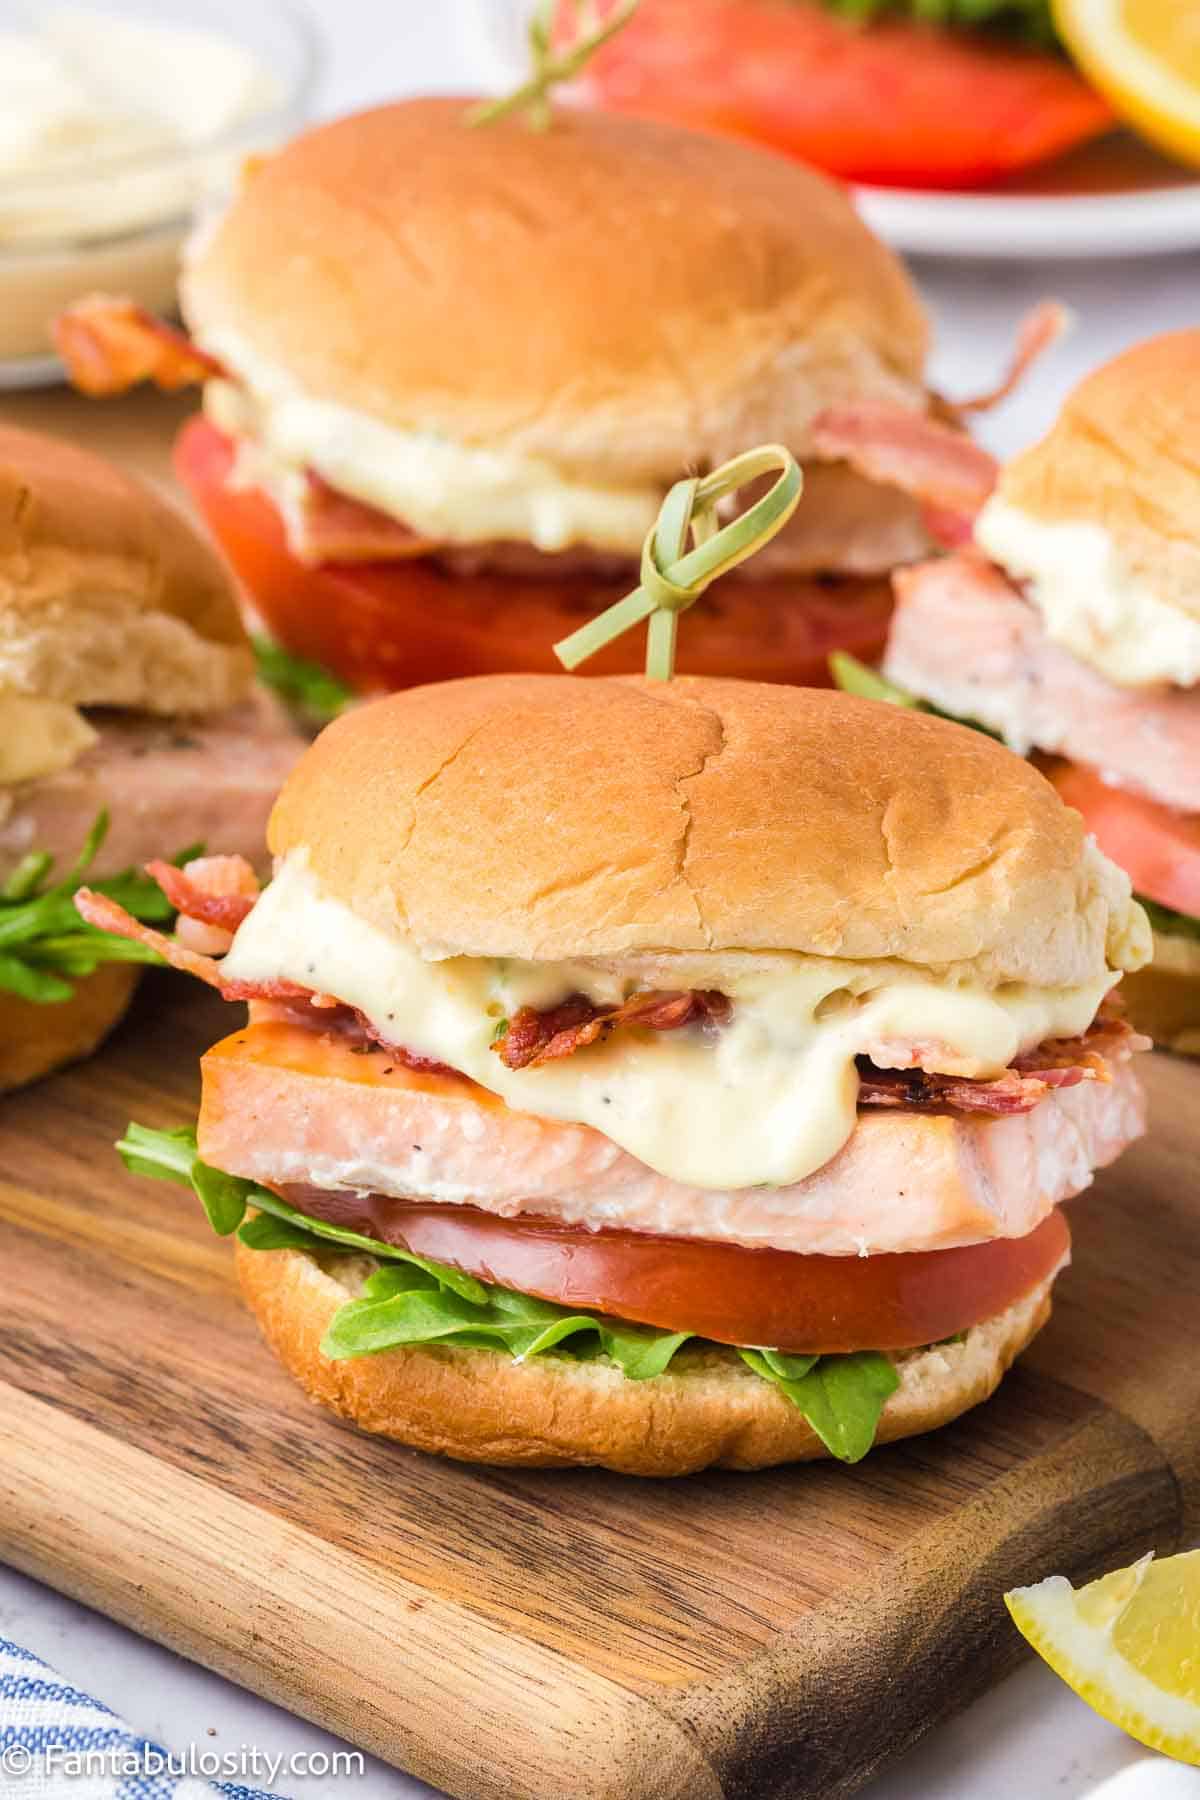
(854, 677)
(410, 1300)
(309, 687)
(840, 1396)
(45, 947)
(1028, 20)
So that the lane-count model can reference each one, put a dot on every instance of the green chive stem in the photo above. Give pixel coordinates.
(673, 577)
(550, 67)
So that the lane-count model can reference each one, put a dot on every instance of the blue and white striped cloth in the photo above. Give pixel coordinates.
(57, 1743)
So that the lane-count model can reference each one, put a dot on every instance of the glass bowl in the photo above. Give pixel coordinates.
(111, 216)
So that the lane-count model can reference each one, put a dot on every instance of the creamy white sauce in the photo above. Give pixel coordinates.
(1091, 603)
(456, 493)
(767, 1099)
(39, 737)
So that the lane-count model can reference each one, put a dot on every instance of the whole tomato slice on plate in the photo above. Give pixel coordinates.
(895, 103)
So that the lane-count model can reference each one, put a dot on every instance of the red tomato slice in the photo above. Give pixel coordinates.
(720, 1291)
(899, 104)
(1158, 847)
(394, 624)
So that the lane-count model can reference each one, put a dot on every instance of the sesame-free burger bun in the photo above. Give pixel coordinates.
(549, 1412)
(548, 817)
(35, 1040)
(621, 297)
(1122, 455)
(108, 597)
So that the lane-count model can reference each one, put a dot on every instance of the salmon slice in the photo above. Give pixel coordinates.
(283, 1103)
(963, 637)
(166, 783)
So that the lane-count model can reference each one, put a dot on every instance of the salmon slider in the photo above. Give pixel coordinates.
(129, 724)
(449, 374)
(1076, 633)
(658, 1074)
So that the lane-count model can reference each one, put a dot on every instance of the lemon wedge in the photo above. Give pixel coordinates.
(1129, 1644)
(1144, 55)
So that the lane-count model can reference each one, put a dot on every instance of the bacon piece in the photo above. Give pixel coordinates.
(533, 1037)
(329, 526)
(217, 890)
(1039, 330)
(935, 463)
(107, 915)
(1058, 1063)
(212, 895)
(109, 345)
(347, 1025)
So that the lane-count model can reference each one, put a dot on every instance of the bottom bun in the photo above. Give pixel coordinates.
(1163, 999)
(551, 1412)
(35, 1040)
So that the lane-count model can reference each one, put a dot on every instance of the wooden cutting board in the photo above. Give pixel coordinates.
(547, 1634)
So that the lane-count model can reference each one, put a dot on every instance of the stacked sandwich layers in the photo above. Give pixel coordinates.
(126, 692)
(453, 372)
(1081, 639)
(659, 1074)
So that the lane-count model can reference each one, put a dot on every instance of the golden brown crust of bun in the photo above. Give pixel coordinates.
(107, 595)
(1163, 999)
(1122, 454)
(36, 1040)
(539, 290)
(546, 817)
(709, 1410)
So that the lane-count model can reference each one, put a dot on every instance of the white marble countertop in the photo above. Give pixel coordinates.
(1030, 1736)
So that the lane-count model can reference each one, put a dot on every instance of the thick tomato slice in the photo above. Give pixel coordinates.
(903, 105)
(1157, 847)
(394, 624)
(736, 1296)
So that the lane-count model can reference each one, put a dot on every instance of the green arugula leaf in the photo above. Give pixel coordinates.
(1168, 923)
(1030, 21)
(319, 695)
(840, 1396)
(854, 677)
(409, 1300)
(44, 944)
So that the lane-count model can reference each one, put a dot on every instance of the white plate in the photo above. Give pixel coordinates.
(1136, 223)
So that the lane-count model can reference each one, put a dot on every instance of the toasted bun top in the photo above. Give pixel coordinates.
(107, 595)
(1123, 454)
(537, 290)
(547, 817)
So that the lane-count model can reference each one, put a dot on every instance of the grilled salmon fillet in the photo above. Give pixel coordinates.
(285, 1103)
(963, 637)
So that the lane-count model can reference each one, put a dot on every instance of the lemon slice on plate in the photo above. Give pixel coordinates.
(1145, 56)
(1129, 1644)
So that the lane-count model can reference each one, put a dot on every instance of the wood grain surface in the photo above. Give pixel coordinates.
(507, 1633)
(784, 1633)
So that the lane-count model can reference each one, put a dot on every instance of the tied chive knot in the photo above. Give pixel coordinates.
(673, 576)
(554, 63)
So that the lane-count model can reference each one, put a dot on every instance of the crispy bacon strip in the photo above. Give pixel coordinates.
(1040, 329)
(534, 1038)
(107, 915)
(108, 345)
(913, 452)
(216, 890)
(331, 527)
(1058, 1063)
